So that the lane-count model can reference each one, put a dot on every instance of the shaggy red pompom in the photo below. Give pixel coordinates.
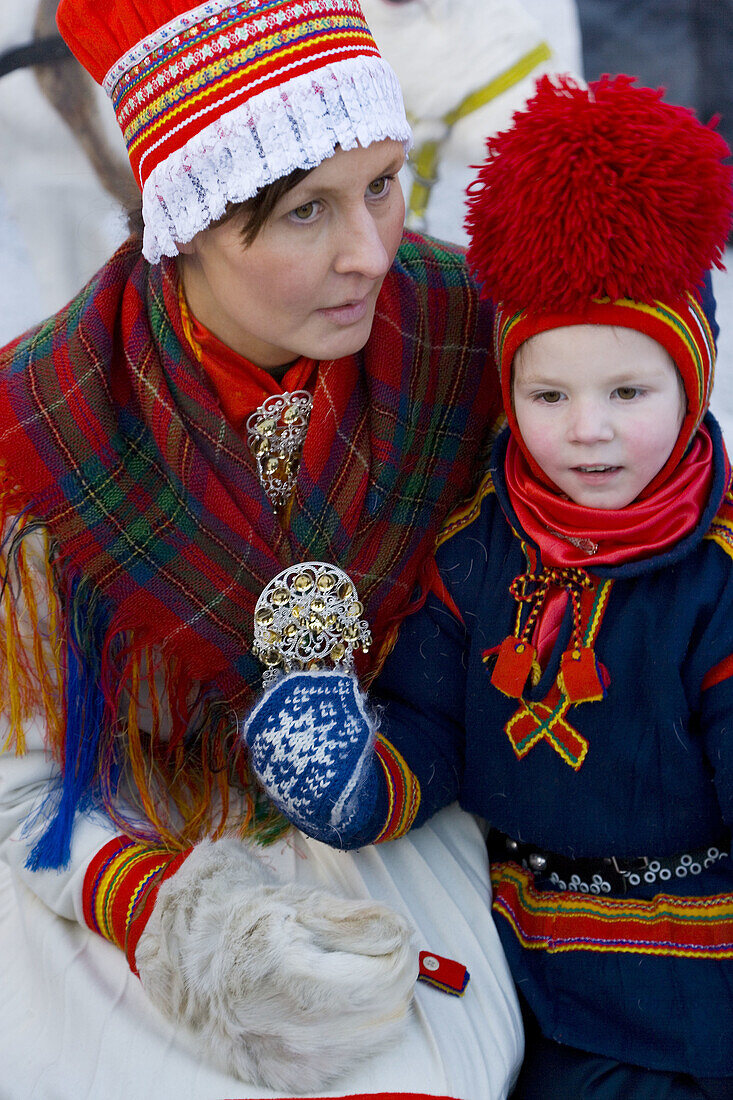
(598, 192)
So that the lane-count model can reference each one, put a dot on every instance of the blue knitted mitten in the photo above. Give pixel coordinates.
(312, 746)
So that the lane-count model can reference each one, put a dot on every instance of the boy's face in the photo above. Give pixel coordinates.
(599, 409)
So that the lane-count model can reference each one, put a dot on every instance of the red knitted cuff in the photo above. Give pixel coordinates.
(403, 791)
(120, 888)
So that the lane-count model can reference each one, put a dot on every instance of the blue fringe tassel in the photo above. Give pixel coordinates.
(78, 786)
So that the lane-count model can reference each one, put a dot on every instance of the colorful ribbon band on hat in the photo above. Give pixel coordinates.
(220, 100)
(211, 59)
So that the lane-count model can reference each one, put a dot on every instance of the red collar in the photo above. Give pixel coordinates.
(240, 385)
(569, 534)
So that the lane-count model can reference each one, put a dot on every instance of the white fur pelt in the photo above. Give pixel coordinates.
(445, 50)
(283, 985)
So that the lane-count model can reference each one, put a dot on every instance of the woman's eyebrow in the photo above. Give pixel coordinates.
(311, 191)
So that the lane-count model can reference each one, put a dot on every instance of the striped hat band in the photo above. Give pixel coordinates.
(219, 100)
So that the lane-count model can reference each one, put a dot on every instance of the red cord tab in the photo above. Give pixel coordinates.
(446, 974)
(580, 678)
(513, 666)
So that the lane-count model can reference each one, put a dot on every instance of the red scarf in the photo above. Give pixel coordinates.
(570, 534)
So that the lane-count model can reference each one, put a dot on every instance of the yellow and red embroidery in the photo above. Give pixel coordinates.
(467, 512)
(403, 788)
(120, 888)
(535, 721)
(692, 927)
(721, 529)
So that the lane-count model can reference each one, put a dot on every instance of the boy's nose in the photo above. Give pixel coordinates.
(590, 422)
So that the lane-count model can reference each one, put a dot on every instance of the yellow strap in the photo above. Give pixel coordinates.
(500, 83)
(424, 161)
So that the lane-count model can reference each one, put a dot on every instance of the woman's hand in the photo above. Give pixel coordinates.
(285, 986)
(311, 745)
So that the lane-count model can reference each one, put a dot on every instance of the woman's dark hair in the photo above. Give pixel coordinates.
(256, 210)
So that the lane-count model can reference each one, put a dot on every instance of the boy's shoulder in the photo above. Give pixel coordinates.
(469, 510)
(477, 545)
(721, 528)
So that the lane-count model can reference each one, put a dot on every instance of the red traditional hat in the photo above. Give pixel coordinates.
(603, 205)
(217, 100)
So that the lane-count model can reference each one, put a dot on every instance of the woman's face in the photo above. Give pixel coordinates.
(308, 283)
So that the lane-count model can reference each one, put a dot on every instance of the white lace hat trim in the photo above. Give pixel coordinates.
(298, 124)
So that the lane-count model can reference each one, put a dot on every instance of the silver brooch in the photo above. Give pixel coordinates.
(309, 616)
(276, 432)
(586, 545)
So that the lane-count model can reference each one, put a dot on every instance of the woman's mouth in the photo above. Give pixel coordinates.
(348, 313)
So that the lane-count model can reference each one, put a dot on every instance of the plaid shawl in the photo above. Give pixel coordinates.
(111, 437)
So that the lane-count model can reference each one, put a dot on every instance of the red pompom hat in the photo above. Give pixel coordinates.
(603, 205)
(218, 99)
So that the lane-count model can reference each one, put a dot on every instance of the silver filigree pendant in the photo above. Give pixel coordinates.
(276, 432)
(309, 616)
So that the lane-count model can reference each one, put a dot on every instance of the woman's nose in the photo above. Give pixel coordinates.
(361, 250)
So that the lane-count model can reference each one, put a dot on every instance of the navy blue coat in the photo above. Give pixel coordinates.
(645, 976)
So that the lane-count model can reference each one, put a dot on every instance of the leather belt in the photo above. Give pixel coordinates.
(607, 875)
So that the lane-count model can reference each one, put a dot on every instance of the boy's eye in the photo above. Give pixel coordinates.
(626, 393)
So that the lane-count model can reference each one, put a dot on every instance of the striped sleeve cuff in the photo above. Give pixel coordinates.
(120, 888)
(403, 791)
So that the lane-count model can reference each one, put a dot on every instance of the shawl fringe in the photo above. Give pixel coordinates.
(174, 769)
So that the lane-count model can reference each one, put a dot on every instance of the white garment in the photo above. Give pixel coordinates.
(450, 54)
(76, 1025)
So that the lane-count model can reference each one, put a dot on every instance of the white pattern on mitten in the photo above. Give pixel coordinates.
(283, 985)
(312, 746)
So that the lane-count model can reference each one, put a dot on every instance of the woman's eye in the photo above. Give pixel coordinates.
(626, 393)
(379, 186)
(304, 213)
